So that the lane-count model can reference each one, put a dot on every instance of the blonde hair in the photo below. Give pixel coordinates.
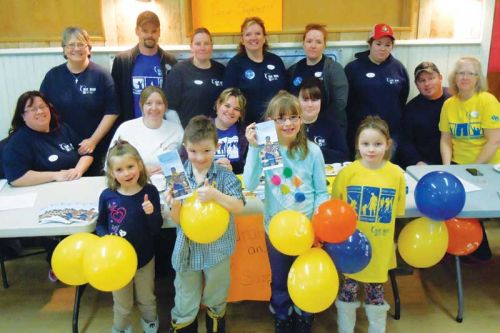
(236, 93)
(286, 104)
(123, 148)
(248, 22)
(481, 84)
(378, 124)
(77, 32)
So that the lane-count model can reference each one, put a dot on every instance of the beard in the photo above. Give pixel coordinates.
(149, 43)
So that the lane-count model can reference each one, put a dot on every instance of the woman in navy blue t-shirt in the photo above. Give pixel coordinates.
(194, 84)
(378, 85)
(83, 93)
(39, 148)
(257, 73)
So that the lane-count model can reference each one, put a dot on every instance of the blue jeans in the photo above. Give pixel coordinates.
(281, 303)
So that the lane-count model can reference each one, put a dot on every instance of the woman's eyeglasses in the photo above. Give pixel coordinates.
(467, 74)
(34, 109)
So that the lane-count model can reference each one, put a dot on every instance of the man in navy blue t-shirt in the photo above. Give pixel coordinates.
(420, 134)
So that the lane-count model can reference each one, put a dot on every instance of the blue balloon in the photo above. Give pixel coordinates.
(352, 255)
(439, 195)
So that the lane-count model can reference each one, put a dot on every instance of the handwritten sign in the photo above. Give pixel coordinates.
(226, 16)
(250, 270)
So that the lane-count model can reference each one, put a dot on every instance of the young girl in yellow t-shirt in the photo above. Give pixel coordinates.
(375, 188)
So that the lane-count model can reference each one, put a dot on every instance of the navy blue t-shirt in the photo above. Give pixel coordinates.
(259, 82)
(192, 91)
(376, 90)
(146, 72)
(81, 100)
(420, 137)
(326, 133)
(37, 151)
(304, 71)
(122, 215)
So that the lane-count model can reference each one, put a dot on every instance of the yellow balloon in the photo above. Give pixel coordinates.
(110, 264)
(203, 222)
(67, 259)
(313, 281)
(423, 242)
(291, 232)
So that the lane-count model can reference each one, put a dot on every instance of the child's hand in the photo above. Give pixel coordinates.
(224, 162)
(147, 206)
(206, 192)
(175, 205)
(251, 135)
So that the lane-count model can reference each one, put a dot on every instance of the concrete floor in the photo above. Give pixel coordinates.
(428, 297)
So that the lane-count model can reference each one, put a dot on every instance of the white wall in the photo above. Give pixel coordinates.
(23, 70)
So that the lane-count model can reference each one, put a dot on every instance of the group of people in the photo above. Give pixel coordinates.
(84, 121)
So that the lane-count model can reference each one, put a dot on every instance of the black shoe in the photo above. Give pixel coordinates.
(302, 324)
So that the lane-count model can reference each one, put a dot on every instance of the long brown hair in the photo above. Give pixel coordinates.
(286, 104)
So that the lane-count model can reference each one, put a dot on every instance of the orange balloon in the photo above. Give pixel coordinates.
(465, 235)
(334, 221)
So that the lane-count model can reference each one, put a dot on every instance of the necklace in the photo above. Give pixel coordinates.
(75, 76)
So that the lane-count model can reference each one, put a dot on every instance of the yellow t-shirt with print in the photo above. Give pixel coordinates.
(377, 196)
(466, 121)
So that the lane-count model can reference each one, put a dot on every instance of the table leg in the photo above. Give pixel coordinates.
(76, 309)
(395, 291)
(460, 291)
(4, 273)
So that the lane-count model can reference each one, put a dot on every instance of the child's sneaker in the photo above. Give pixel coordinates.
(52, 276)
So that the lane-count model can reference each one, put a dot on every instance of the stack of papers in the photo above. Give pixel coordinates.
(68, 213)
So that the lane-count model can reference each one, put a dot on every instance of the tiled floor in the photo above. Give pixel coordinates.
(33, 304)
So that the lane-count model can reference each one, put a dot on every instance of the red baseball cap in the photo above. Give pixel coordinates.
(382, 30)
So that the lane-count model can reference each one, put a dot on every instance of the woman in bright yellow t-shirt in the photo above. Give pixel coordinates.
(470, 125)
(470, 119)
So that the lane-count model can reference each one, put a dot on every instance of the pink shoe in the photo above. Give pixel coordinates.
(52, 276)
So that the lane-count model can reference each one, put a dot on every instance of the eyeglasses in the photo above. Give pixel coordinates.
(34, 109)
(466, 74)
(282, 120)
(74, 46)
